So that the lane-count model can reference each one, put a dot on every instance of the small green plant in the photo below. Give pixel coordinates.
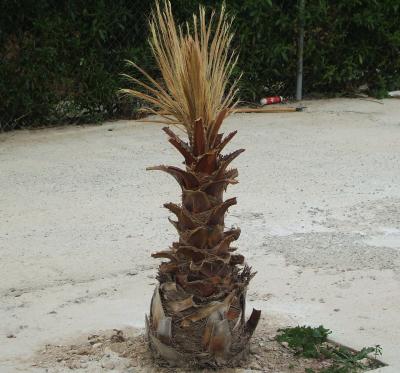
(348, 361)
(304, 340)
(313, 343)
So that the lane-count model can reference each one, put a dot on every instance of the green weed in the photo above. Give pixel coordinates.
(313, 343)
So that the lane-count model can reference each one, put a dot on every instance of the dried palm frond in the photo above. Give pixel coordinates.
(196, 65)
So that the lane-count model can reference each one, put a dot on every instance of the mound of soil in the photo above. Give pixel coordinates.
(127, 351)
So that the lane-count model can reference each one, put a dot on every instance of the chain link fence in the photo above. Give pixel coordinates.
(61, 62)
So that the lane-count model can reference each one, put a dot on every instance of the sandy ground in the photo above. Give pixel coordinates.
(318, 204)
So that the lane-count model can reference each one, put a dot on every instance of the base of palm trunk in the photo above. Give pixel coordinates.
(219, 339)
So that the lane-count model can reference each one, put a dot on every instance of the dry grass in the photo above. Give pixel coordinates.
(196, 65)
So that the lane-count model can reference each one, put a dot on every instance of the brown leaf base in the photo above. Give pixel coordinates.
(219, 339)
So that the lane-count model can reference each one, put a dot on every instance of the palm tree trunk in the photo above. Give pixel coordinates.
(197, 313)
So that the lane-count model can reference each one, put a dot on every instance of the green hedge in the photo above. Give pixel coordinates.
(61, 60)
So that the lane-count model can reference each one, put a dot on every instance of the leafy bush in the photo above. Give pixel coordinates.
(60, 61)
(304, 340)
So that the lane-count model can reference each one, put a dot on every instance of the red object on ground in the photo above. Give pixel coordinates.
(271, 100)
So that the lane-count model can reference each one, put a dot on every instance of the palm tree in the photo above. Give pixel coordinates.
(197, 312)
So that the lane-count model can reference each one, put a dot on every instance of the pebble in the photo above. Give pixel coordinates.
(108, 364)
(254, 365)
(74, 365)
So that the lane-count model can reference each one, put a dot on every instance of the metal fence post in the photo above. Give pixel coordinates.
(300, 48)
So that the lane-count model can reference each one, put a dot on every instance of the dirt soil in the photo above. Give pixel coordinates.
(318, 205)
(127, 351)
